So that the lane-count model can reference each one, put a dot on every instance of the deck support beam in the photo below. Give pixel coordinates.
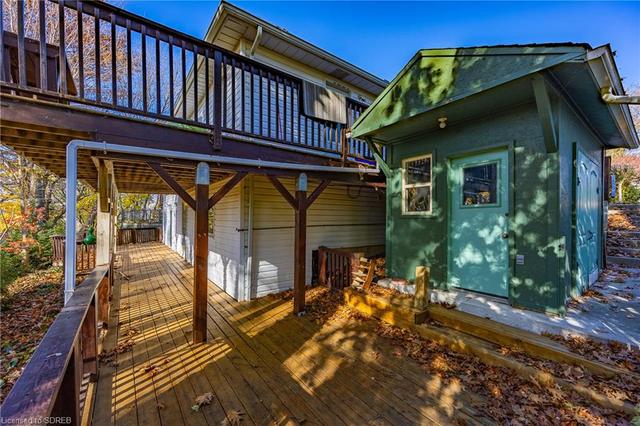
(201, 252)
(300, 204)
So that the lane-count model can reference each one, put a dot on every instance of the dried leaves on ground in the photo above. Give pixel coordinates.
(505, 397)
(621, 221)
(610, 352)
(204, 399)
(29, 306)
(234, 418)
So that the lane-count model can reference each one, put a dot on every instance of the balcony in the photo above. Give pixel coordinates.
(124, 65)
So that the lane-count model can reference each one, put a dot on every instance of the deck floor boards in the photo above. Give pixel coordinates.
(259, 360)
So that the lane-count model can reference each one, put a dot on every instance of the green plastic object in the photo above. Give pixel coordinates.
(90, 238)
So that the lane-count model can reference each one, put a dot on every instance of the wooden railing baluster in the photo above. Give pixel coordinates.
(129, 67)
(233, 93)
(195, 84)
(62, 55)
(207, 106)
(114, 72)
(97, 37)
(158, 94)
(42, 28)
(171, 94)
(183, 60)
(143, 43)
(217, 98)
(80, 50)
(22, 72)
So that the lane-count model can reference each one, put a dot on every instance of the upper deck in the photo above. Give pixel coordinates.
(129, 80)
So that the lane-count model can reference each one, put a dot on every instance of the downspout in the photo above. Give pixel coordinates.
(72, 174)
(610, 98)
(70, 218)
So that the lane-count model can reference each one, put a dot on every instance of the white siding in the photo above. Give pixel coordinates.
(225, 250)
(224, 243)
(341, 217)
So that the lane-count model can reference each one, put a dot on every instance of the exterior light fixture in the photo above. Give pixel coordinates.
(442, 122)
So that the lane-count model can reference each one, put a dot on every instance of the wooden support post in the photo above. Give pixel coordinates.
(300, 245)
(300, 204)
(421, 297)
(201, 254)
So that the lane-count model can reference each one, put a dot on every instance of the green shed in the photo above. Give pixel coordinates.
(494, 160)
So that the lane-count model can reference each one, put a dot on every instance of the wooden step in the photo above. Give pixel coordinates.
(384, 308)
(512, 337)
(624, 261)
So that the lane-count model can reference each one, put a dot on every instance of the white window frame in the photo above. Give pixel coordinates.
(406, 185)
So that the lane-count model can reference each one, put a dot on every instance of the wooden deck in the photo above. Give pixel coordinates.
(259, 360)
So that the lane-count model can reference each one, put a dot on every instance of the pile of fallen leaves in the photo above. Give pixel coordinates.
(29, 306)
(609, 352)
(621, 222)
(324, 304)
(390, 293)
(507, 398)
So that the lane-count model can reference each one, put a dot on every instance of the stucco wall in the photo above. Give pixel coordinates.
(574, 134)
(422, 240)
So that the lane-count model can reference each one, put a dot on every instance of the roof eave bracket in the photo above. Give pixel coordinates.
(545, 112)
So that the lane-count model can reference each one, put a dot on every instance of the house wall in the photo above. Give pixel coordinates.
(422, 240)
(573, 134)
(341, 217)
(252, 266)
(225, 251)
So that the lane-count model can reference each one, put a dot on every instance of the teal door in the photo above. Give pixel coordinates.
(478, 231)
(587, 223)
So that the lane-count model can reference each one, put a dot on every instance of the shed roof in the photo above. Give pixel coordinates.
(436, 78)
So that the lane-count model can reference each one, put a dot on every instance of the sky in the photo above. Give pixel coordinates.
(381, 37)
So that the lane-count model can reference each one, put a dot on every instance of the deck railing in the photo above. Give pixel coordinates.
(85, 254)
(140, 217)
(107, 58)
(138, 235)
(49, 388)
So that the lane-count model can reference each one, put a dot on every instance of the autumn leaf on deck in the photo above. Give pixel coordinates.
(204, 399)
(234, 417)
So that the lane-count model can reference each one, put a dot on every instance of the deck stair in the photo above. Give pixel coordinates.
(363, 276)
(623, 241)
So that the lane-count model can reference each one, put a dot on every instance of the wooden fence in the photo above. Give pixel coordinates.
(138, 235)
(50, 385)
(85, 254)
(337, 265)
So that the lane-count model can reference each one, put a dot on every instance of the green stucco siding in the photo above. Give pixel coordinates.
(534, 198)
(574, 134)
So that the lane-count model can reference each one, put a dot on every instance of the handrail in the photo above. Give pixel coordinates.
(139, 67)
(49, 386)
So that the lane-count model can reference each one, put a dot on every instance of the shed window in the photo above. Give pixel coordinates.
(480, 185)
(416, 185)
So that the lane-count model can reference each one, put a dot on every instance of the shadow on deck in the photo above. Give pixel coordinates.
(259, 360)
